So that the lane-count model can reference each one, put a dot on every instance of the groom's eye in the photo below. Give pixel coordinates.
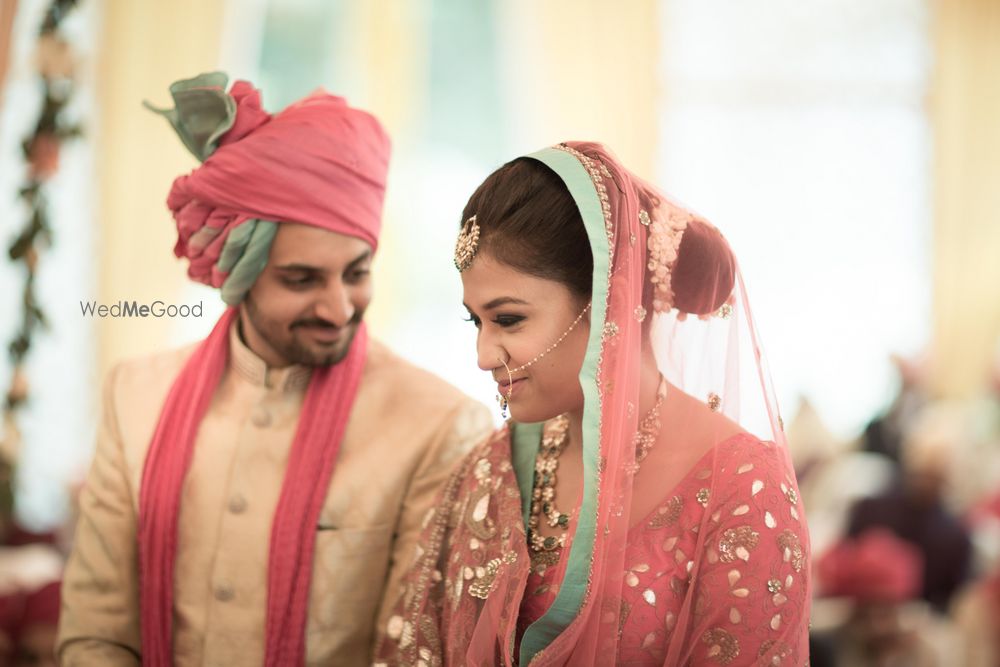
(298, 280)
(355, 276)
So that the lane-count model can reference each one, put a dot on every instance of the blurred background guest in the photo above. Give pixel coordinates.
(915, 507)
(884, 434)
(876, 575)
(977, 608)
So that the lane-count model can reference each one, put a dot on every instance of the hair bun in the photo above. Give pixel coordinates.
(704, 274)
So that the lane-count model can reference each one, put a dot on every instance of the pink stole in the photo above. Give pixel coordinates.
(311, 461)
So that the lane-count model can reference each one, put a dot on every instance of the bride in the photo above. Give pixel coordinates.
(639, 506)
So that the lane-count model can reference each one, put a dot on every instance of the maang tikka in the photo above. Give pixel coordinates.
(467, 244)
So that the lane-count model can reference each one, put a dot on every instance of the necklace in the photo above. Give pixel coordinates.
(545, 549)
(649, 428)
(543, 492)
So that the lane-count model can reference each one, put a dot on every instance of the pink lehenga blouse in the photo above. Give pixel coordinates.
(754, 521)
(718, 571)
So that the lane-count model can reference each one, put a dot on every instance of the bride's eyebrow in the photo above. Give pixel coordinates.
(505, 301)
(499, 301)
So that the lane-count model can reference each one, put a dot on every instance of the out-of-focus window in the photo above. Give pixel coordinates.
(800, 129)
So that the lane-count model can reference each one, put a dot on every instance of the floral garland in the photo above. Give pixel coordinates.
(56, 66)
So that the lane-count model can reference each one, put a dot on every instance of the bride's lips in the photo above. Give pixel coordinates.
(509, 389)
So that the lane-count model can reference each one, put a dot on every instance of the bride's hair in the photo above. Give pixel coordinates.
(528, 221)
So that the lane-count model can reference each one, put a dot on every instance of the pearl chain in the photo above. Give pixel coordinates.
(553, 346)
(504, 401)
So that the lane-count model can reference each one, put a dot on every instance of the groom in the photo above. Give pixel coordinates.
(252, 496)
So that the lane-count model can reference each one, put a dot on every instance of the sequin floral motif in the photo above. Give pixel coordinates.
(485, 577)
(737, 543)
(791, 549)
(723, 647)
(667, 514)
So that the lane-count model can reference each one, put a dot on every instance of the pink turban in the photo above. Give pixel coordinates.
(319, 162)
(876, 566)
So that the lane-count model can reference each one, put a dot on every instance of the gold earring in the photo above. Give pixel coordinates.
(504, 401)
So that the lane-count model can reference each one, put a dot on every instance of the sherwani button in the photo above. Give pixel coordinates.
(238, 504)
(261, 418)
(224, 594)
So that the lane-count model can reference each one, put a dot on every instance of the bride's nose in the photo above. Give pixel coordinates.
(489, 353)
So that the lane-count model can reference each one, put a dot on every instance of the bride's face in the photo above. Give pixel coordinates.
(518, 317)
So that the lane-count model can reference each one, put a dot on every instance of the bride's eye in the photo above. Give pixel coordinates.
(508, 320)
(472, 318)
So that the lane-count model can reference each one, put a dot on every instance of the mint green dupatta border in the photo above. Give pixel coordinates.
(527, 437)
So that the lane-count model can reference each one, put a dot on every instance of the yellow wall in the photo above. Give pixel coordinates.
(8, 10)
(145, 46)
(585, 70)
(965, 109)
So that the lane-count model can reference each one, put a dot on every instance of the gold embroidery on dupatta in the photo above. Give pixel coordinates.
(723, 647)
(623, 613)
(782, 651)
(540, 560)
(598, 171)
(632, 576)
(430, 631)
(791, 549)
(790, 494)
(476, 520)
(667, 515)
(477, 510)
(738, 543)
(394, 628)
(486, 577)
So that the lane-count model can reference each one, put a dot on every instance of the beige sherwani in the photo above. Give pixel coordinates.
(405, 431)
